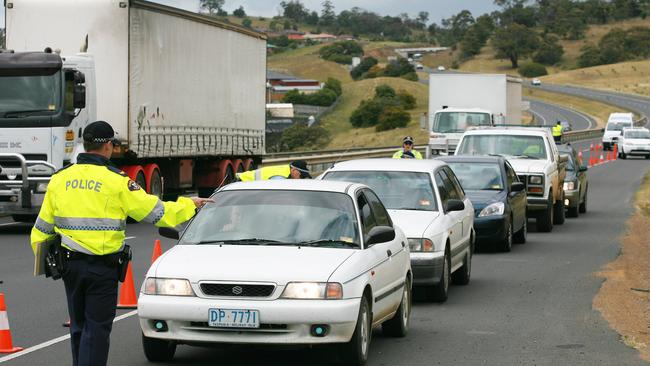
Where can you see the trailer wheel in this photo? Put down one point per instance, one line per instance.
(249, 164)
(238, 166)
(226, 173)
(154, 180)
(136, 173)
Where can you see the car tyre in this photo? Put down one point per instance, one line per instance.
(520, 236)
(622, 155)
(355, 352)
(158, 350)
(558, 215)
(506, 244)
(545, 220)
(573, 211)
(583, 205)
(438, 293)
(398, 325)
(463, 274)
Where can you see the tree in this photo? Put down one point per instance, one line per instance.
(516, 11)
(363, 67)
(211, 6)
(334, 85)
(327, 15)
(515, 41)
(384, 91)
(300, 136)
(294, 10)
(239, 12)
(589, 56)
(406, 99)
(549, 51)
(367, 114)
(423, 17)
(471, 43)
(391, 118)
(312, 19)
(247, 22)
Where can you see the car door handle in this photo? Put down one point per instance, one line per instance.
(389, 253)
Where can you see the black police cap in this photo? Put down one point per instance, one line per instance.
(301, 166)
(100, 132)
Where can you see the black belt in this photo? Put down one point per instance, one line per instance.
(109, 259)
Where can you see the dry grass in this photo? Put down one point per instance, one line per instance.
(599, 111)
(344, 135)
(626, 77)
(305, 63)
(443, 58)
(624, 296)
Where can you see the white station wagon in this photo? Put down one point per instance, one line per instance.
(426, 200)
(280, 262)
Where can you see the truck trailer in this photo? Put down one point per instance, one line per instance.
(184, 92)
(458, 101)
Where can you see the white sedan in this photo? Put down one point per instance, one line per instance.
(426, 200)
(280, 262)
(634, 141)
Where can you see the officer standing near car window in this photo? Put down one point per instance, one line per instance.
(296, 170)
(87, 205)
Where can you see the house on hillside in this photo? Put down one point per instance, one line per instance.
(321, 37)
(278, 84)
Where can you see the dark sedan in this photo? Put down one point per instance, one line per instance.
(575, 182)
(498, 197)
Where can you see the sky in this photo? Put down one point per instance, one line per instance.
(438, 9)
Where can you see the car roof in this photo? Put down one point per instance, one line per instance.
(508, 130)
(294, 185)
(387, 164)
(473, 159)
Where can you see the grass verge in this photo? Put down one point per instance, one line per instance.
(623, 298)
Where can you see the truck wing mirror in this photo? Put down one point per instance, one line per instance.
(79, 77)
(79, 98)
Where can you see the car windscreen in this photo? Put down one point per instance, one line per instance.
(518, 146)
(29, 94)
(637, 134)
(396, 190)
(276, 217)
(478, 176)
(450, 122)
(617, 126)
(571, 163)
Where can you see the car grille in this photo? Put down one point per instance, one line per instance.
(237, 290)
(14, 163)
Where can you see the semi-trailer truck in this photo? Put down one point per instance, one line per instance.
(458, 101)
(184, 92)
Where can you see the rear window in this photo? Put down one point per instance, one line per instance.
(618, 126)
(524, 146)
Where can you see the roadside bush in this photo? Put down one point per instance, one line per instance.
(301, 137)
(406, 99)
(357, 72)
(341, 52)
(399, 68)
(532, 69)
(392, 117)
(411, 76)
(367, 114)
(589, 56)
(384, 91)
(323, 98)
(334, 85)
(616, 46)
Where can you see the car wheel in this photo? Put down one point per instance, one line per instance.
(558, 215)
(520, 236)
(623, 156)
(439, 291)
(545, 220)
(158, 350)
(506, 244)
(464, 273)
(583, 205)
(398, 325)
(355, 352)
(572, 211)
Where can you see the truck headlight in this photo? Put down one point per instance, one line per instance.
(493, 209)
(420, 245)
(313, 291)
(536, 179)
(41, 187)
(569, 186)
(167, 286)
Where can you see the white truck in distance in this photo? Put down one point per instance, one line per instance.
(460, 101)
(184, 92)
(614, 128)
(533, 154)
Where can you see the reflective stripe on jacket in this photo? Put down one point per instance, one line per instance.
(88, 204)
(400, 154)
(557, 130)
(266, 173)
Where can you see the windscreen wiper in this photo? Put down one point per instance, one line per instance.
(325, 242)
(16, 114)
(250, 241)
(526, 157)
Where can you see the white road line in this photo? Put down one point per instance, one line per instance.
(8, 223)
(129, 237)
(56, 340)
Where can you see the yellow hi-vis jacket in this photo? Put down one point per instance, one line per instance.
(400, 153)
(88, 203)
(266, 173)
(557, 130)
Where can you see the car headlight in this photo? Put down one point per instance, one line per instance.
(569, 186)
(536, 179)
(420, 245)
(167, 286)
(41, 187)
(493, 209)
(313, 291)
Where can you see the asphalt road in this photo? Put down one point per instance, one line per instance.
(528, 307)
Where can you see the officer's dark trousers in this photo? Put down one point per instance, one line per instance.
(91, 289)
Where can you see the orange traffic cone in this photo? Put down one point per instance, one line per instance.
(615, 153)
(602, 160)
(5, 333)
(128, 300)
(157, 251)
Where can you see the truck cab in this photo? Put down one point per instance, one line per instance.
(42, 111)
(448, 125)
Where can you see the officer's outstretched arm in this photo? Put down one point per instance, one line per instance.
(44, 227)
(146, 207)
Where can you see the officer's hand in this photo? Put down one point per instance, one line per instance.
(200, 202)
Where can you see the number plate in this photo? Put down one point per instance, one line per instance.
(233, 318)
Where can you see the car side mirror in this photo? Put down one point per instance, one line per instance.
(564, 158)
(583, 168)
(380, 234)
(455, 205)
(517, 187)
(168, 232)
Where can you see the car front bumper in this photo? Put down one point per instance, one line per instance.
(281, 321)
(427, 267)
(572, 198)
(490, 229)
(635, 150)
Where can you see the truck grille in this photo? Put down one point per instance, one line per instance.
(14, 163)
(237, 290)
